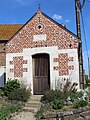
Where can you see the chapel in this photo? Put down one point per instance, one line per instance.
(42, 53)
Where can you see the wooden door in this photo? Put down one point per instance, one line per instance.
(41, 73)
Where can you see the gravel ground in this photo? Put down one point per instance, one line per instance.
(24, 116)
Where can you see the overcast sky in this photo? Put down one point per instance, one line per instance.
(62, 11)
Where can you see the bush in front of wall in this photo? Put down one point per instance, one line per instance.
(50, 95)
(14, 107)
(10, 86)
(3, 113)
(81, 103)
(57, 104)
(21, 94)
(76, 95)
(7, 110)
(62, 93)
(1, 93)
(39, 114)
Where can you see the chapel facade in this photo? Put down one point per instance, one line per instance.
(42, 53)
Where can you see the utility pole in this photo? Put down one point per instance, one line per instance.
(81, 77)
(88, 68)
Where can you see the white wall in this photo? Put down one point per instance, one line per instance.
(53, 53)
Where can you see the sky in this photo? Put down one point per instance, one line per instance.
(62, 11)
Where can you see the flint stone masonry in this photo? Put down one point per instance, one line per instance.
(56, 35)
(82, 114)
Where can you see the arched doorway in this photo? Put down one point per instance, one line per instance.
(41, 73)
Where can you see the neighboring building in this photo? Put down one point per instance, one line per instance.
(42, 53)
(6, 32)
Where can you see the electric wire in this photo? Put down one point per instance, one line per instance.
(84, 33)
(81, 5)
(88, 1)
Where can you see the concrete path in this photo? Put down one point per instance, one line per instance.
(31, 107)
(24, 116)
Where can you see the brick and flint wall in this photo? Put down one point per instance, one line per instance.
(43, 35)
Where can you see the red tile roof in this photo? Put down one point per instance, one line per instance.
(8, 30)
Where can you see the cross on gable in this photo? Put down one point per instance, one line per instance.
(39, 6)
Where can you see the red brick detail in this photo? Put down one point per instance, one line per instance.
(70, 59)
(18, 66)
(56, 68)
(24, 61)
(25, 70)
(56, 60)
(63, 64)
(11, 70)
(56, 36)
(71, 67)
(11, 62)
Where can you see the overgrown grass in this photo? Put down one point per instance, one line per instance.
(21, 94)
(39, 113)
(11, 98)
(7, 109)
(57, 101)
(81, 103)
(50, 95)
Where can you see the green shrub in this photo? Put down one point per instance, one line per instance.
(21, 94)
(50, 95)
(89, 104)
(87, 85)
(76, 106)
(79, 94)
(81, 103)
(62, 94)
(75, 95)
(88, 95)
(57, 104)
(1, 92)
(39, 114)
(10, 86)
(3, 113)
(14, 107)
(6, 110)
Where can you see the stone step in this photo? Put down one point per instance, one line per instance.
(32, 101)
(30, 109)
(80, 118)
(85, 113)
(87, 117)
(33, 104)
(36, 97)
